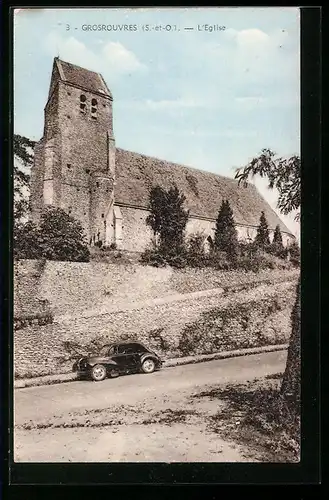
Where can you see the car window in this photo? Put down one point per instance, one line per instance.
(122, 349)
(138, 348)
(112, 350)
(130, 349)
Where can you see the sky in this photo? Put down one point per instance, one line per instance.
(210, 97)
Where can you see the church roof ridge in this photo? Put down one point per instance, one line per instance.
(137, 173)
(182, 165)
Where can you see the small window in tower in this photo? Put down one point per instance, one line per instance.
(97, 184)
(70, 210)
(83, 99)
(68, 93)
(102, 216)
(78, 189)
(68, 165)
(94, 108)
(68, 116)
(87, 171)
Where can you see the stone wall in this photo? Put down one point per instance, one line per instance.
(73, 288)
(201, 324)
(175, 312)
(136, 235)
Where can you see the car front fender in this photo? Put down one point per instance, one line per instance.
(101, 361)
(150, 356)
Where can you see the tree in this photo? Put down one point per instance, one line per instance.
(291, 384)
(277, 237)
(294, 252)
(226, 238)
(284, 175)
(168, 219)
(61, 237)
(262, 239)
(23, 159)
(277, 247)
(157, 203)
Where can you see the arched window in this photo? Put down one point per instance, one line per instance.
(94, 108)
(83, 100)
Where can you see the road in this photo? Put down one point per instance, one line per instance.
(133, 418)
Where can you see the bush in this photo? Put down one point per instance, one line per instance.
(26, 241)
(257, 261)
(195, 252)
(58, 237)
(219, 260)
(160, 256)
(62, 237)
(278, 250)
(152, 257)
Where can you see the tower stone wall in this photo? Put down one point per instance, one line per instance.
(74, 166)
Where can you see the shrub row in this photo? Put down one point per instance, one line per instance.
(32, 320)
(256, 260)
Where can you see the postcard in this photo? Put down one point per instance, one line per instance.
(157, 235)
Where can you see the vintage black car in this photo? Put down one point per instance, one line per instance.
(117, 359)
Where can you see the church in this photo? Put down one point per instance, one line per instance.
(78, 168)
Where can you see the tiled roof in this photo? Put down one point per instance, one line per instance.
(82, 77)
(204, 191)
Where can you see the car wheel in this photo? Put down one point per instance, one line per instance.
(98, 373)
(148, 366)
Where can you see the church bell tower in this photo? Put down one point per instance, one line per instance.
(74, 165)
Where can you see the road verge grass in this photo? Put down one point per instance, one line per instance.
(257, 415)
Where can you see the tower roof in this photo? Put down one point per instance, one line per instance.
(82, 77)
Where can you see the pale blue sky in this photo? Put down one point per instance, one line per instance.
(210, 100)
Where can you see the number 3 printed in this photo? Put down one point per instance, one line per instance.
(68, 27)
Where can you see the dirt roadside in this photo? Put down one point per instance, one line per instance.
(156, 430)
(160, 418)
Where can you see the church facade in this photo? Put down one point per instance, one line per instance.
(78, 168)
